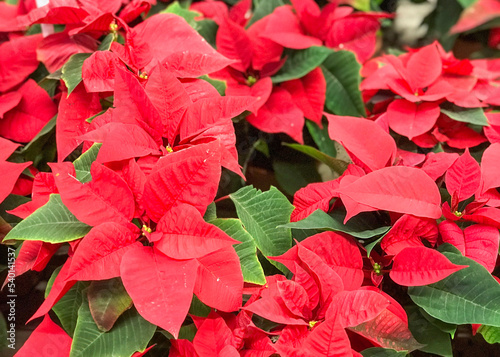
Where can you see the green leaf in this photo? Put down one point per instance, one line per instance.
(41, 148)
(466, 115)
(261, 214)
(52, 223)
(469, 296)
(3, 332)
(131, 333)
(342, 75)
(382, 352)
(108, 300)
(467, 3)
(360, 226)
(208, 30)
(217, 84)
(490, 334)
(246, 250)
(301, 62)
(186, 14)
(435, 340)
(11, 202)
(263, 9)
(293, 175)
(83, 163)
(106, 42)
(339, 166)
(67, 307)
(198, 308)
(321, 138)
(72, 70)
(210, 213)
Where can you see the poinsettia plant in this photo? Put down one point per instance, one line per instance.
(124, 134)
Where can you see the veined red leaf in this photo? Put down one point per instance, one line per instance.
(326, 278)
(113, 135)
(34, 255)
(424, 66)
(308, 93)
(388, 329)
(212, 337)
(71, 123)
(178, 178)
(233, 42)
(279, 115)
(99, 254)
(9, 101)
(412, 119)
(490, 171)
(18, 60)
(56, 49)
(408, 231)
(328, 339)
(463, 177)
(478, 242)
(312, 197)
(107, 198)
(436, 164)
(341, 254)
(367, 141)
(131, 101)
(476, 14)
(161, 288)
(351, 308)
(223, 130)
(11, 172)
(183, 234)
(49, 338)
(170, 99)
(182, 38)
(294, 296)
(306, 280)
(35, 109)
(486, 215)
(220, 281)
(284, 28)
(182, 348)
(99, 71)
(417, 266)
(397, 189)
(205, 112)
(272, 307)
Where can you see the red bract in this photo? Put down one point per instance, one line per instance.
(258, 58)
(336, 26)
(10, 170)
(416, 266)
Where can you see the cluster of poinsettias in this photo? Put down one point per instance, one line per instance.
(258, 49)
(151, 165)
(421, 94)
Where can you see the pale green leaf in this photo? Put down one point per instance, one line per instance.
(83, 163)
(52, 223)
(67, 307)
(301, 62)
(361, 226)
(246, 250)
(342, 75)
(468, 296)
(72, 70)
(261, 214)
(130, 333)
(473, 116)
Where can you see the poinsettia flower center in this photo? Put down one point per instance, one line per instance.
(251, 80)
(312, 324)
(113, 26)
(377, 268)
